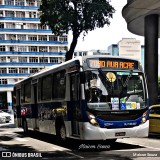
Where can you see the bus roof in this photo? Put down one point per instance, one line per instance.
(80, 58)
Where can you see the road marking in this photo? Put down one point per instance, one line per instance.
(149, 147)
(66, 151)
(21, 139)
(139, 145)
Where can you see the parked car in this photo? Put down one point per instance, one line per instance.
(154, 122)
(4, 117)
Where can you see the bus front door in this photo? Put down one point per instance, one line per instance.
(75, 103)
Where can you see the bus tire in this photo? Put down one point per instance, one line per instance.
(25, 126)
(61, 132)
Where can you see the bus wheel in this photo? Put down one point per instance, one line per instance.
(25, 127)
(61, 132)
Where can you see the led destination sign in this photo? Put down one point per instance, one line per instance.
(112, 63)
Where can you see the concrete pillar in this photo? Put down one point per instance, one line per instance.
(9, 100)
(151, 56)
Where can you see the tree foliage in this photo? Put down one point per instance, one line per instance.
(79, 16)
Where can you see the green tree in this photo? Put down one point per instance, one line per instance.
(78, 16)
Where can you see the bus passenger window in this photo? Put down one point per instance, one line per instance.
(59, 85)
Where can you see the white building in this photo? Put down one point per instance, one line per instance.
(25, 46)
(130, 48)
(90, 53)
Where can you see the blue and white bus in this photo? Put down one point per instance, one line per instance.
(89, 98)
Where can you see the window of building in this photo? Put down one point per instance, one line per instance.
(19, 25)
(32, 48)
(33, 59)
(2, 59)
(11, 37)
(38, 3)
(63, 39)
(3, 81)
(1, 13)
(27, 92)
(42, 27)
(20, 14)
(19, 2)
(43, 59)
(33, 70)
(22, 59)
(31, 14)
(2, 37)
(30, 2)
(53, 38)
(13, 70)
(42, 38)
(2, 48)
(12, 81)
(11, 48)
(53, 59)
(43, 48)
(9, 14)
(1, 25)
(10, 25)
(32, 37)
(59, 85)
(23, 70)
(3, 70)
(47, 88)
(31, 26)
(9, 2)
(13, 59)
(21, 37)
(21, 49)
(62, 49)
(53, 49)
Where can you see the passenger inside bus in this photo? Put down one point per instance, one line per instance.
(96, 91)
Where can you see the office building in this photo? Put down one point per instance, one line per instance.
(90, 53)
(128, 48)
(26, 47)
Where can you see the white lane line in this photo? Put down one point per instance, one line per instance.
(21, 139)
(66, 151)
(148, 147)
(141, 145)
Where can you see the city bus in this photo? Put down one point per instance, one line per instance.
(86, 98)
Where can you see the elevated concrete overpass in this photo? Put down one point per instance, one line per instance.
(143, 18)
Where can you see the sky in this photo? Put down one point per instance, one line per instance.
(101, 38)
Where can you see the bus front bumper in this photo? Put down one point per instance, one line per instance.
(90, 132)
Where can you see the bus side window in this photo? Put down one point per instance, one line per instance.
(59, 85)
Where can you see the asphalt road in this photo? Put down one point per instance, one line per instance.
(14, 144)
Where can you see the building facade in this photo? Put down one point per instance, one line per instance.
(129, 48)
(113, 49)
(26, 47)
(90, 53)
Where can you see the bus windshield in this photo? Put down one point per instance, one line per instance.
(114, 90)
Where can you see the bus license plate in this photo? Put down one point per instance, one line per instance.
(120, 134)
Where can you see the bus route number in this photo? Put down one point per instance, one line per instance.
(110, 64)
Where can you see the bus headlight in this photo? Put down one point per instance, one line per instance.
(144, 117)
(92, 119)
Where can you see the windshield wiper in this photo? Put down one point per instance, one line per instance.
(127, 79)
(125, 84)
(105, 80)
